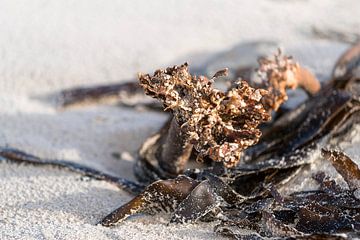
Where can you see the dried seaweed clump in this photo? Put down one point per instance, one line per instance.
(278, 74)
(218, 124)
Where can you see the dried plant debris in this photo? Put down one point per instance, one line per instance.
(218, 124)
(281, 72)
(245, 197)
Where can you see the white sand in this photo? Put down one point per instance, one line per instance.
(46, 46)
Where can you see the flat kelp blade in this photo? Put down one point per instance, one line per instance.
(301, 126)
(317, 218)
(347, 168)
(256, 183)
(163, 195)
(127, 94)
(204, 198)
(15, 155)
(198, 203)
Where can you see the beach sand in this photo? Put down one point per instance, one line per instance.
(47, 46)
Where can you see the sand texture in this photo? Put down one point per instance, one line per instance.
(47, 46)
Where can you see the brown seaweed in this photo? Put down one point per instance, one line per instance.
(240, 181)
